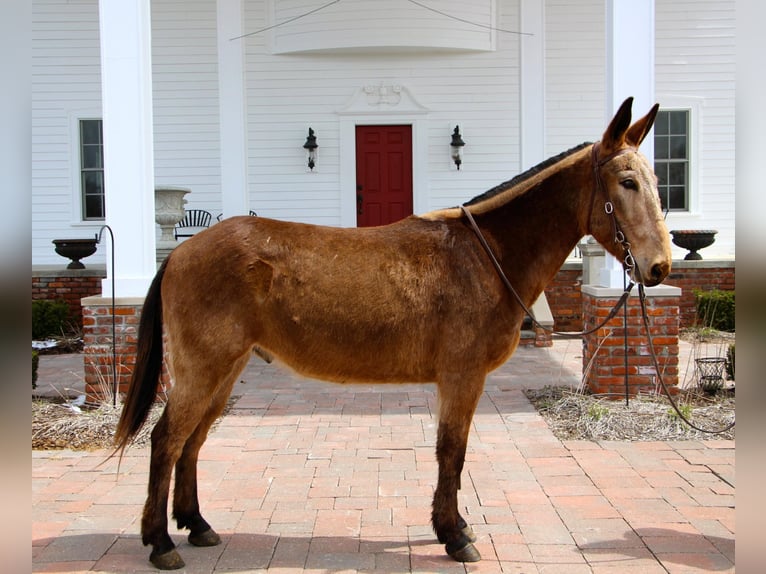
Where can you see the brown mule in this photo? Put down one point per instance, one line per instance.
(415, 301)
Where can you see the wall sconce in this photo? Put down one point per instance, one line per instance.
(457, 147)
(311, 148)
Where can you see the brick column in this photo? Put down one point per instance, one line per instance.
(607, 373)
(97, 345)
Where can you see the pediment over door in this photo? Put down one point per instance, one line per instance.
(383, 98)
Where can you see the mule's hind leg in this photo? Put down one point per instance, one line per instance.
(194, 403)
(457, 404)
(186, 510)
(168, 438)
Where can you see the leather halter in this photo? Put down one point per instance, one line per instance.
(596, 164)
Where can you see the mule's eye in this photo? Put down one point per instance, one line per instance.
(629, 184)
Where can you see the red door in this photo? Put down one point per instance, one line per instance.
(383, 174)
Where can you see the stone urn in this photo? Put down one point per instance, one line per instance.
(168, 210)
(75, 249)
(693, 240)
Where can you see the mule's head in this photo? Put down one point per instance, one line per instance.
(626, 185)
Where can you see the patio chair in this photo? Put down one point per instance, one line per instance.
(219, 217)
(193, 222)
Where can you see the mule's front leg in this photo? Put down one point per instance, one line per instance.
(451, 529)
(455, 414)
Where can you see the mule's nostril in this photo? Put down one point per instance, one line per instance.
(658, 271)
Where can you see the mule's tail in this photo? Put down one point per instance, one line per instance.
(146, 374)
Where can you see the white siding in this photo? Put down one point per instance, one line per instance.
(185, 86)
(315, 25)
(287, 94)
(695, 54)
(67, 86)
(575, 73)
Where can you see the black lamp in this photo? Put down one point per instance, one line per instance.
(311, 147)
(457, 145)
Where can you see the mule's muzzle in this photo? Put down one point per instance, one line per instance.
(656, 274)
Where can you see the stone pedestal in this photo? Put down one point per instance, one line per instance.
(607, 372)
(592, 260)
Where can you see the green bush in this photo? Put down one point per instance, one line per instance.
(49, 318)
(715, 309)
(730, 362)
(35, 363)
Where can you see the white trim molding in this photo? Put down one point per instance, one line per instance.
(383, 104)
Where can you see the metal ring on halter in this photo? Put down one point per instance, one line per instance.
(629, 262)
(609, 208)
(619, 236)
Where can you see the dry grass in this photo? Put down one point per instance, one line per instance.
(61, 425)
(574, 415)
(58, 426)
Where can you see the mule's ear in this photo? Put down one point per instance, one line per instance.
(615, 133)
(637, 132)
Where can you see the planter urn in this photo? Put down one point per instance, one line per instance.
(168, 210)
(693, 240)
(75, 249)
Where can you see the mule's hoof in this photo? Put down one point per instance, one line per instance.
(208, 538)
(467, 553)
(468, 533)
(170, 560)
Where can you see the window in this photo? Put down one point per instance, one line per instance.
(92, 169)
(671, 158)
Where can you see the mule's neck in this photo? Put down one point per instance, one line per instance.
(538, 223)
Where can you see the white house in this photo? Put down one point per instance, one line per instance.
(218, 96)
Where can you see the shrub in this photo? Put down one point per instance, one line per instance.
(35, 363)
(715, 309)
(48, 318)
(730, 362)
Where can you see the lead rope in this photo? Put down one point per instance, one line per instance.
(630, 262)
(507, 283)
(655, 362)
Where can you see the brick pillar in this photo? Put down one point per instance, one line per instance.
(607, 373)
(97, 345)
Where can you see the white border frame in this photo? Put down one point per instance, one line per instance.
(692, 104)
(347, 150)
(76, 205)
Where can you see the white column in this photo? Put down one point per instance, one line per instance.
(629, 72)
(232, 108)
(126, 89)
(532, 79)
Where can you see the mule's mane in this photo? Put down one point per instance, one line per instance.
(522, 177)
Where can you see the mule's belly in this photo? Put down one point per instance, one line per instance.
(352, 355)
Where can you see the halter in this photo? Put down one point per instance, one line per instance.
(619, 237)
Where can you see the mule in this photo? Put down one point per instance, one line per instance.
(415, 301)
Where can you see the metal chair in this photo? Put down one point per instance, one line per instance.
(193, 222)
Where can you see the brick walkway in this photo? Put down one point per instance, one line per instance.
(303, 476)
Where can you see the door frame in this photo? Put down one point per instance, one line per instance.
(347, 129)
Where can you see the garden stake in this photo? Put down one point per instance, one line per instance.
(114, 328)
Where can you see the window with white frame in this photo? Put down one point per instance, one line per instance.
(672, 157)
(92, 169)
